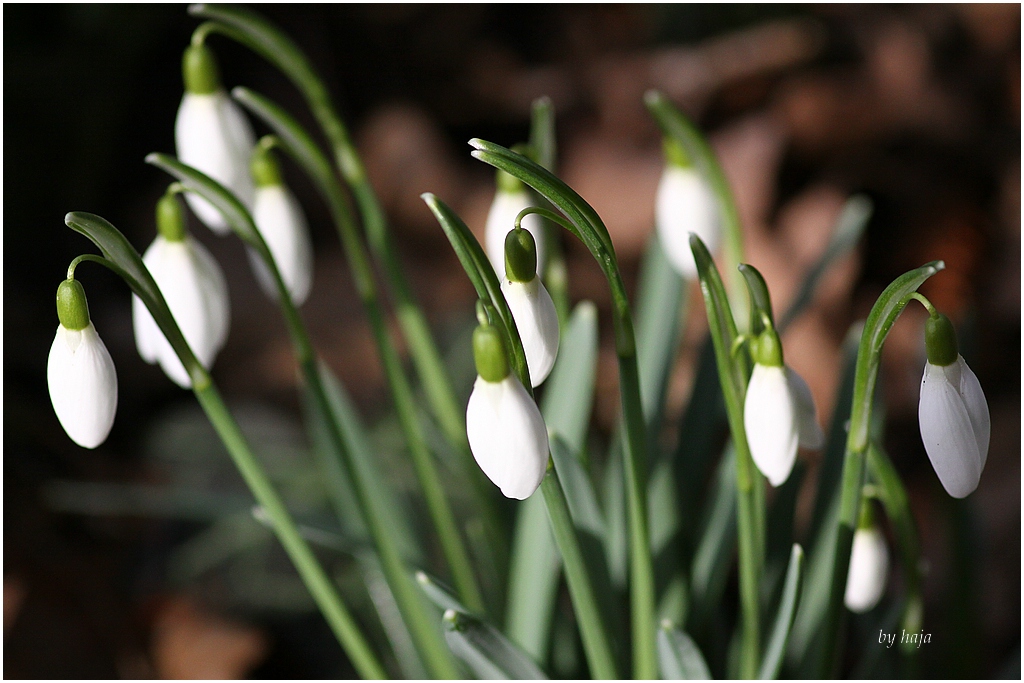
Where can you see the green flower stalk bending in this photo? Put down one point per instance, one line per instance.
(120, 257)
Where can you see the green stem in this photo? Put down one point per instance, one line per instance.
(732, 374)
(880, 320)
(584, 601)
(313, 575)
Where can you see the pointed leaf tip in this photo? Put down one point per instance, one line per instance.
(476, 143)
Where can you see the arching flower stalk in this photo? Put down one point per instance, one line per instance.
(194, 288)
(79, 371)
(869, 564)
(685, 203)
(953, 413)
(530, 303)
(283, 225)
(778, 412)
(506, 432)
(511, 196)
(212, 135)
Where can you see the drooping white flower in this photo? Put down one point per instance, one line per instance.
(197, 295)
(955, 425)
(684, 204)
(506, 432)
(778, 412)
(502, 217)
(212, 135)
(537, 322)
(80, 373)
(283, 225)
(869, 568)
(507, 436)
(953, 413)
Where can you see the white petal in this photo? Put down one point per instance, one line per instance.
(283, 225)
(946, 430)
(770, 420)
(196, 293)
(501, 219)
(83, 385)
(977, 409)
(811, 435)
(507, 436)
(213, 136)
(685, 204)
(869, 568)
(537, 322)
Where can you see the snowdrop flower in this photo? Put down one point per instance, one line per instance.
(531, 305)
(684, 204)
(778, 413)
(953, 413)
(282, 223)
(212, 135)
(80, 372)
(511, 197)
(507, 434)
(194, 288)
(869, 564)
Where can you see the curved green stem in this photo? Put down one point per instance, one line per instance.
(122, 258)
(585, 223)
(428, 639)
(883, 316)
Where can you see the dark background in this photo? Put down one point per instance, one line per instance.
(918, 107)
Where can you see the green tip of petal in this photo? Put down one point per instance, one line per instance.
(940, 340)
(520, 256)
(72, 306)
(170, 218)
(489, 354)
(199, 70)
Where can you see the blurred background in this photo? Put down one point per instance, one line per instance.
(139, 559)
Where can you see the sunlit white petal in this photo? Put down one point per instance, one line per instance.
(283, 225)
(537, 322)
(953, 436)
(213, 136)
(869, 568)
(684, 204)
(196, 293)
(507, 436)
(83, 385)
(502, 218)
(770, 419)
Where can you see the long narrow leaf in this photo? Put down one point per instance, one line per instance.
(679, 657)
(488, 654)
(776, 649)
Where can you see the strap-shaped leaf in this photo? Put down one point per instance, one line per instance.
(760, 298)
(438, 593)
(850, 224)
(679, 657)
(715, 543)
(569, 391)
(120, 256)
(489, 654)
(776, 649)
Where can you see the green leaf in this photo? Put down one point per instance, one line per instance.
(486, 651)
(387, 505)
(776, 649)
(679, 657)
(853, 218)
(542, 133)
(659, 308)
(438, 593)
(120, 256)
(536, 563)
(715, 544)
